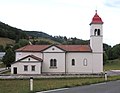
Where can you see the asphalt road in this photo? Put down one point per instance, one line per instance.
(109, 87)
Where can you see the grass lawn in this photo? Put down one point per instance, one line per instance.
(22, 86)
(112, 65)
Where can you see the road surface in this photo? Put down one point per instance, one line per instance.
(109, 87)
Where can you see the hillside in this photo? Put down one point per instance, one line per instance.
(16, 34)
(5, 41)
(10, 32)
(38, 34)
(56, 39)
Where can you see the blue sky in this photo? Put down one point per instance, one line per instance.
(69, 18)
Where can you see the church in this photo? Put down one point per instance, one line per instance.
(63, 59)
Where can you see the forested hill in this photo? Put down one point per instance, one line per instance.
(7, 31)
(14, 33)
(59, 39)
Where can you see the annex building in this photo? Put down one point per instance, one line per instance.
(63, 59)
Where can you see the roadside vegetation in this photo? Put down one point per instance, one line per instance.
(22, 85)
(112, 65)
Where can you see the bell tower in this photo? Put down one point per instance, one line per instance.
(96, 43)
(96, 34)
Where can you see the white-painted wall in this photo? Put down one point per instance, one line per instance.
(79, 67)
(96, 43)
(20, 55)
(53, 49)
(60, 57)
(20, 67)
(97, 63)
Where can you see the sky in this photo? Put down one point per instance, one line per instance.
(69, 18)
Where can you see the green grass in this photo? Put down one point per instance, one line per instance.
(14, 86)
(112, 65)
(22, 85)
(47, 84)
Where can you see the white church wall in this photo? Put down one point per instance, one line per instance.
(96, 44)
(97, 63)
(60, 59)
(20, 55)
(20, 67)
(53, 49)
(80, 66)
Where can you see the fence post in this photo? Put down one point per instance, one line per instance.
(105, 76)
(31, 83)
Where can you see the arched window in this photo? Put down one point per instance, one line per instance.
(97, 32)
(85, 63)
(53, 63)
(73, 62)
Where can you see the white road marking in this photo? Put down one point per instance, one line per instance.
(52, 90)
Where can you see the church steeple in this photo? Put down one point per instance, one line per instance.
(96, 42)
(96, 33)
(96, 19)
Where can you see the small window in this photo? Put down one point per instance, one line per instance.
(73, 62)
(25, 67)
(53, 48)
(33, 68)
(53, 63)
(85, 62)
(28, 59)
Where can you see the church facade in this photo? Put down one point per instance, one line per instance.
(63, 59)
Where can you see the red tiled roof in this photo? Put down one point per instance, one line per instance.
(32, 56)
(35, 48)
(75, 48)
(96, 19)
(68, 48)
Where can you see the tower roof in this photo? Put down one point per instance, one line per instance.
(96, 19)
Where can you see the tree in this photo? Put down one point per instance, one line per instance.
(109, 54)
(23, 42)
(1, 48)
(108, 50)
(16, 46)
(116, 51)
(9, 57)
(105, 58)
